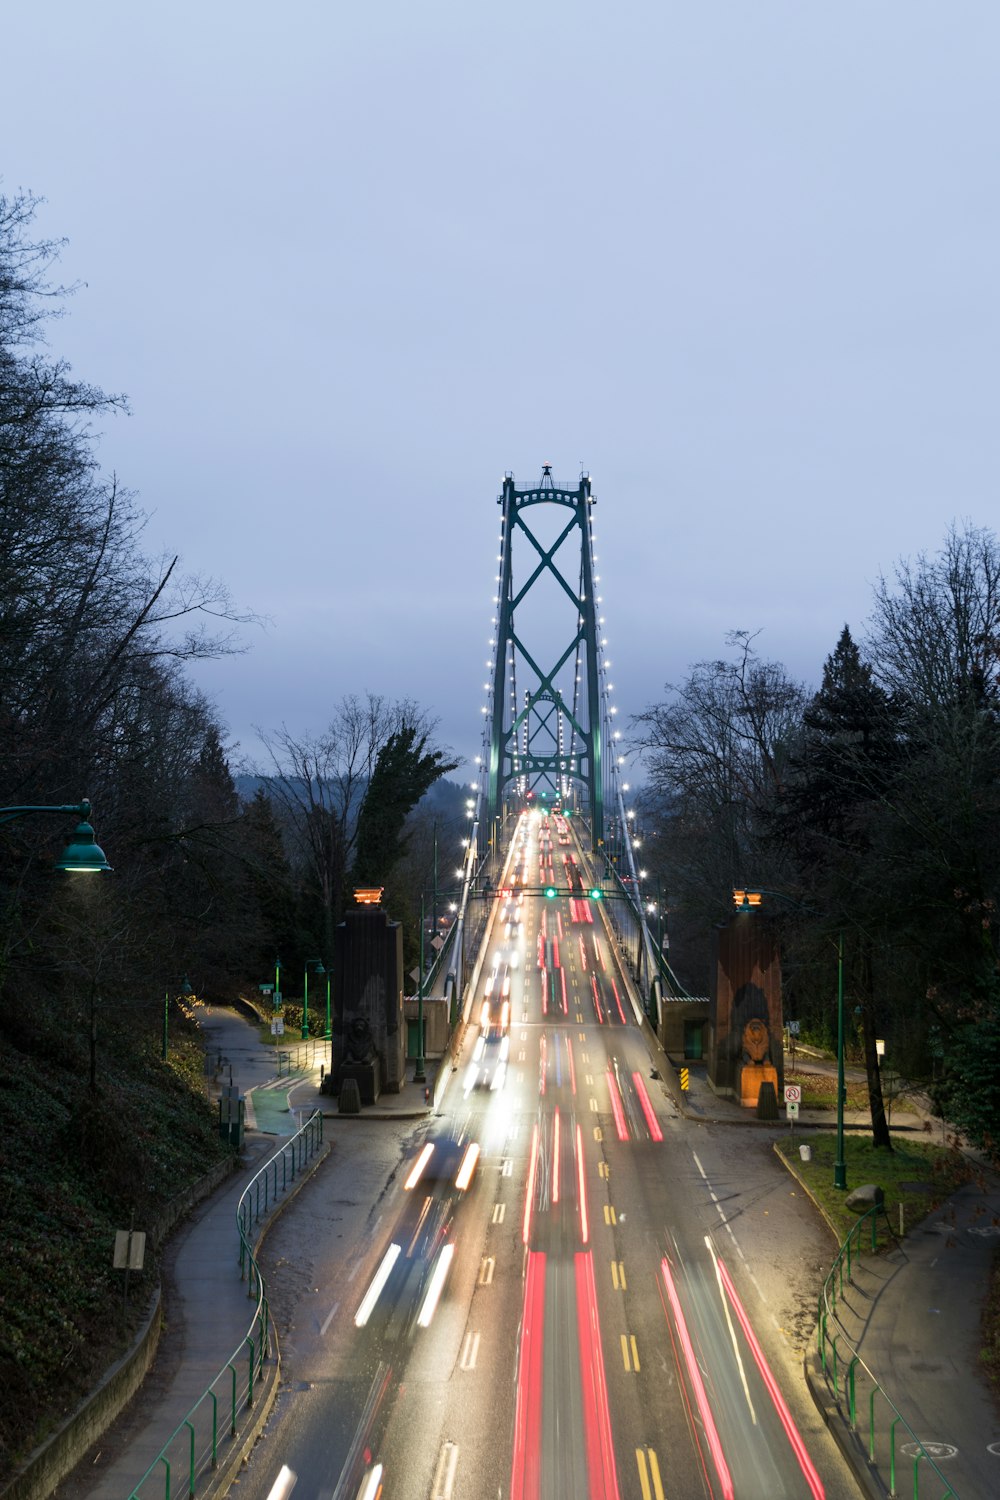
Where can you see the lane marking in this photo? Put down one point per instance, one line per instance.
(507, 1169)
(443, 1484)
(654, 1492)
(487, 1266)
(609, 1214)
(499, 1209)
(630, 1353)
(618, 1275)
(328, 1319)
(470, 1349)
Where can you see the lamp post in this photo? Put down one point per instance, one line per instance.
(317, 964)
(328, 1033)
(419, 1072)
(747, 900)
(83, 855)
(840, 1165)
(187, 993)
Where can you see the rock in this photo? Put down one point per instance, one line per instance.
(350, 1097)
(860, 1199)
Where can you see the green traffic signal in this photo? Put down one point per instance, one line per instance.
(596, 893)
(550, 891)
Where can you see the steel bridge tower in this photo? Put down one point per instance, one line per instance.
(546, 715)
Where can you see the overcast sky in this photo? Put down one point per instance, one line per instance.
(350, 263)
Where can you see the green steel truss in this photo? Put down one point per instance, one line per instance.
(546, 721)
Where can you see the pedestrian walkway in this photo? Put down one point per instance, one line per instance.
(913, 1317)
(207, 1310)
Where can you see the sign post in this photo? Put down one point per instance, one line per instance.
(793, 1098)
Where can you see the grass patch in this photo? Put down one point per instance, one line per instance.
(916, 1174)
(819, 1091)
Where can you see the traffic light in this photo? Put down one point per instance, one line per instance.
(550, 891)
(596, 893)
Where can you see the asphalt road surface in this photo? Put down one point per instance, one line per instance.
(558, 1288)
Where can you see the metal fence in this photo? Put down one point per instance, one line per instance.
(199, 1442)
(855, 1388)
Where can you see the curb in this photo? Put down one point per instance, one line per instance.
(850, 1444)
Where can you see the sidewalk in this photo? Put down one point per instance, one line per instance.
(206, 1307)
(913, 1316)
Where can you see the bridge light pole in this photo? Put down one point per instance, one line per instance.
(83, 855)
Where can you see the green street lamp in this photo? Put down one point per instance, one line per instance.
(83, 855)
(419, 1071)
(186, 993)
(317, 964)
(328, 1033)
(749, 900)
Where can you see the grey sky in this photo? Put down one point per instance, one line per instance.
(352, 263)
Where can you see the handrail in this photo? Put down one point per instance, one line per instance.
(193, 1448)
(828, 1346)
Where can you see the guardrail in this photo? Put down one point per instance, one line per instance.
(844, 1368)
(197, 1443)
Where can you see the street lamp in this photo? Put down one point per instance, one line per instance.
(83, 855)
(747, 900)
(419, 1071)
(186, 993)
(317, 964)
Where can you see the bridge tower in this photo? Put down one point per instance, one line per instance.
(546, 718)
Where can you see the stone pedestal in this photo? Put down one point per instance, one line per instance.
(752, 1075)
(366, 1075)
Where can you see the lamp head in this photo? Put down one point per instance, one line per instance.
(83, 855)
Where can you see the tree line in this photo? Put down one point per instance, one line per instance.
(871, 808)
(96, 699)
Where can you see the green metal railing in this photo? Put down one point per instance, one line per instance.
(196, 1445)
(843, 1367)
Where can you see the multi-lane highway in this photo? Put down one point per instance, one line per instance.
(552, 1299)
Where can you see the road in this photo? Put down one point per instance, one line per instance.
(603, 1309)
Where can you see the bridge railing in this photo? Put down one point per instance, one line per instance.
(199, 1442)
(855, 1387)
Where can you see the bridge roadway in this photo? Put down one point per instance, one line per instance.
(599, 1332)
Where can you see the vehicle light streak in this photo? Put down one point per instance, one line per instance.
(556, 962)
(791, 1431)
(555, 1158)
(436, 1287)
(582, 1185)
(283, 1485)
(618, 1002)
(572, 1069)
(542, 1062)
(471, 1074)
(562, 975)
(373, 1485)
(529, 1192)
(597, 1001)
(601, 1475)
(545, 991)
(525, 1479)
(583, 954)
(599, 951)
(464, 1175)
(419, 1165)
(652, 1122)
(616, 1107)
(379, 1280)
(694, 1375)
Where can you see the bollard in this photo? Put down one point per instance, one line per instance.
(806, 1153)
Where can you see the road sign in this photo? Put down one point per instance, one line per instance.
(266, 989)
(793, 1093)
(685, 1079)
(792, 1108)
